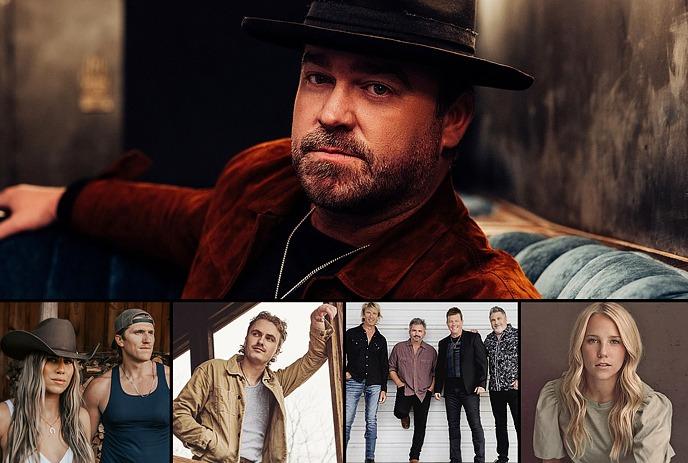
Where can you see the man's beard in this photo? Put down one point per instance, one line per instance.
(369, 185)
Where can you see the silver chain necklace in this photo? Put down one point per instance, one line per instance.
(136, 388)
(51, 426)
(312, 272)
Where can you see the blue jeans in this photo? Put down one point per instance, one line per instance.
(354, 389)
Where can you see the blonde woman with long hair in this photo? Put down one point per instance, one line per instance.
(45, 423)
(600, 410)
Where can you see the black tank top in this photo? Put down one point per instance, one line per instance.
(137, 429)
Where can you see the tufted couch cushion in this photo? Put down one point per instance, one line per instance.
(571, 267)
(54, 264)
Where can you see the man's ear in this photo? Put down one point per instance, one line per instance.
(119, 341)
(456, 120)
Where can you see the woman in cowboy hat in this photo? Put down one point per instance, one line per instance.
(46, 423)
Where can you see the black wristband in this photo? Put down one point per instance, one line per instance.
(66, 203)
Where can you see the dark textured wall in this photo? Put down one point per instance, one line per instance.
(545, 330)
(199, 90)
(46, 137)
(600, 142)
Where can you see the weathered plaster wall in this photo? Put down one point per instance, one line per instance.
(600, 142)
(47, 137)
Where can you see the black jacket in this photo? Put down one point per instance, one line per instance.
(473, 362)
(366, 362)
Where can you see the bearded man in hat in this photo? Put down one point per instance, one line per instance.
(234, 410)
(133, 398)
(358, 203)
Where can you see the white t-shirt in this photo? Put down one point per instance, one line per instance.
(255, 423)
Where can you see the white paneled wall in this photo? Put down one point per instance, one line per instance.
(393, 442)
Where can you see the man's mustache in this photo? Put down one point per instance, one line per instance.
(342, 141)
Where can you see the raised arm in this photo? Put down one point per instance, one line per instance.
(298, 372)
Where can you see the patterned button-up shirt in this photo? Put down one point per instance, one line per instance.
(502, 356)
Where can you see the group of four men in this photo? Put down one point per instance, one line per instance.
(460, 371)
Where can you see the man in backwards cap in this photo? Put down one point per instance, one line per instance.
(133, 398)
(359, 203)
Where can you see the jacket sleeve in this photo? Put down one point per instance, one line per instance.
(298, 372)
(186, 407)
(348, 350)
(439, 369)
(384, 365)
(480, 362)
(161, 221)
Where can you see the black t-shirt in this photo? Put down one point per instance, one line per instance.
(308, 249)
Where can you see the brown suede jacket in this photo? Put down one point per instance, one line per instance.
(437, 253)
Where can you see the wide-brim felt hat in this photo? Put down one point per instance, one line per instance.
(52, 336)
(437, 32)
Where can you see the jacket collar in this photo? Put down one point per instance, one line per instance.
(508, 332)
(232, 367)
(374, 272)
(360, 327)
(423, 344)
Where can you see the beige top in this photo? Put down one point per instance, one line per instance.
(651, 428)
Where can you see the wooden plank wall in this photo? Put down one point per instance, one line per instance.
(93, 323)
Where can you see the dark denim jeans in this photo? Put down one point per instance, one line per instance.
(402, 408)
(455, 397)
(354, 390)
(499, 401)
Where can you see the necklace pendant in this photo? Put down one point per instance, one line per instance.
(52, 430)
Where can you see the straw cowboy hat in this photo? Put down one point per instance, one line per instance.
(438, 32)
(52, 336)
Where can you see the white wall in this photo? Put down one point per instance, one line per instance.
(393, 442)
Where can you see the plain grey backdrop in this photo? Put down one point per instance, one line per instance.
(545, 330)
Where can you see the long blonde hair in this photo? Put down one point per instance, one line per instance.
(629, 387)
(22, 438)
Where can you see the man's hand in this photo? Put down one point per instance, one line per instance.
(318, 316)
(383, 397)
(348, 376)
(31, 207)
(438, 396)
(479, 390)
(514, 385)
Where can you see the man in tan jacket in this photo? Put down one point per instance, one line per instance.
(233, 410)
